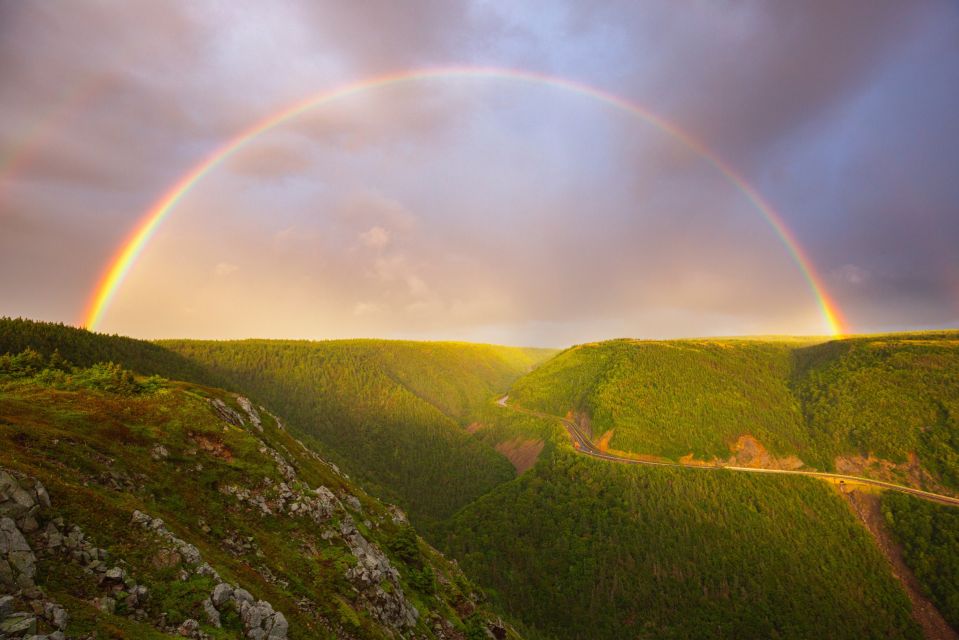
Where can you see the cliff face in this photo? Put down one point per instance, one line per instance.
(171, 510)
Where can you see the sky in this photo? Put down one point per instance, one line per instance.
(482, 208)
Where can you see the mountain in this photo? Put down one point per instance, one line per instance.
(135, 507)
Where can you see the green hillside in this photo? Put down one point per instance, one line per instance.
(929, 536)
(886, 406)
(581, 548)
(390, 412)
(259, 536)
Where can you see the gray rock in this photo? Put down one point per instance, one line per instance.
(42, 496)
(251, 412)
(56, 615)
(242, 595)
(280, 627)
(106, 604)
(116, 574)
(222, 593)
(18, 624)
(189, 628)
(353, 502)
(211, 613)
(6, 606)
(226, 413)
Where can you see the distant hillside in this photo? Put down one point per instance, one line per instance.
(391, 412)
(884, 406)
(145, 508)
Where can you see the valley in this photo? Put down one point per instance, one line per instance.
(509, 461)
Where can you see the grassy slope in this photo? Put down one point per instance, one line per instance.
(885, 395)
(389, 411)
(92, 450)
(929, 535)
(583, 548)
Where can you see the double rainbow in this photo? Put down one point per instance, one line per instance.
(124, 259)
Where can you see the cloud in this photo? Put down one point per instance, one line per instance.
(223, 269)
(851, 274)
(375, 237)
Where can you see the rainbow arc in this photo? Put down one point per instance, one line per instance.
(133, 245)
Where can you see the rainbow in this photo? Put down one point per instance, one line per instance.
(124, 259)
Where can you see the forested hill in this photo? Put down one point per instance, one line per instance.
(390, 412)
(85, 348)
(883, 406)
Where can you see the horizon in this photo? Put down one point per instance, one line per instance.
(552, 347)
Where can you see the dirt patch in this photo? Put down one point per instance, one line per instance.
(603, 443)
(522, 453)
(212, 445)
(747, 451)
(473, 427)
(909, 472)
(866, 506)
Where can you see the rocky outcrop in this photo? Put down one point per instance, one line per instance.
(188, 553)
(371, 574)
(251, 412)
(376, 581)
(260, 620)
(23, 503)
(227, 414)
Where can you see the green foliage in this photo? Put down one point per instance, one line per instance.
(57, 372)
(580, 548)
(389, 412)
(887, 396)
(929, 536)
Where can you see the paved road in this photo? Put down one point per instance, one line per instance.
(585, 446)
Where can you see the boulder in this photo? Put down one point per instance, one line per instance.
(211, 613)
(6, 606)
(222, 593)
(18, 624)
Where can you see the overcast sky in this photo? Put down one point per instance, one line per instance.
(476, 208)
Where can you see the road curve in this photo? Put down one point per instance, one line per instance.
(585, 446)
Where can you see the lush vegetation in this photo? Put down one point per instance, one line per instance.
(580, 548)
(884, 396)
(672, 398)
(105, 442)
(390, 412)
(929, 536)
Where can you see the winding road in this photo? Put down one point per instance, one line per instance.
(585, 446)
